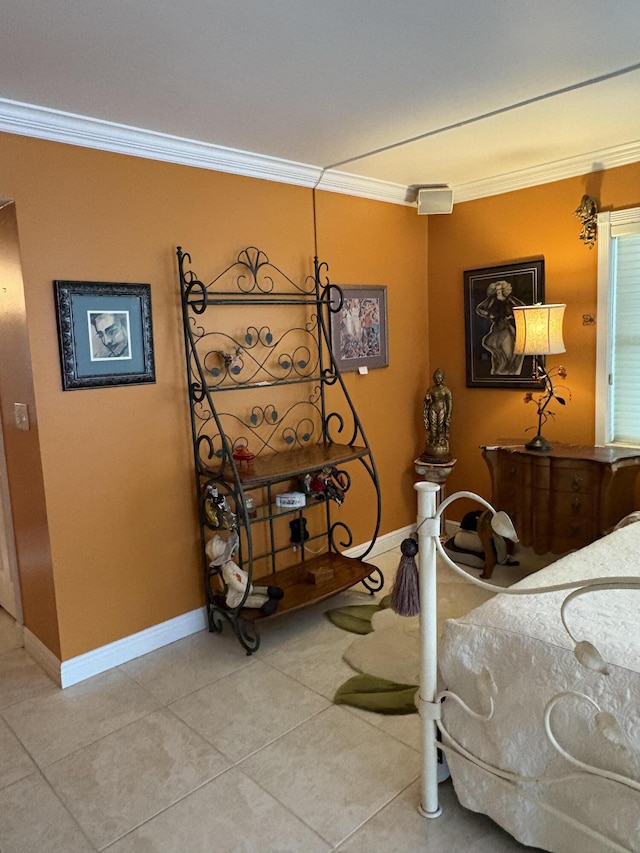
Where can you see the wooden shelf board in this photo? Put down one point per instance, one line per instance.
(292, 463)
(299, 592)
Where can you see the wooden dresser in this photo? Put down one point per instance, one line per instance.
(565, 498)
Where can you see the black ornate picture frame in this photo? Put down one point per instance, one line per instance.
(105, 334)
(489, 295)
(359, 328)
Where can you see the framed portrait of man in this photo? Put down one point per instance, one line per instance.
(105, 334)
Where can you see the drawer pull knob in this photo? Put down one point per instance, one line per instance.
(576, 506)
(576, 481)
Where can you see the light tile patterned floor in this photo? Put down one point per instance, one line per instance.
(198, 748)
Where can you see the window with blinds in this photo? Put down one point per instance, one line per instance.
(618, 378)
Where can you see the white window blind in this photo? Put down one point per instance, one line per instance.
(625, 340)
(618, 368)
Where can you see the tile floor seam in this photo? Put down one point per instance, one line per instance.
(150, 817)
(93, 742)
(67, 810)
(190, 692)
(372, 816)
(297, 681)
(186, 796)
(6, 787)
(200, 686)
(275, 739)
(22, 744)
(159, 812)
(285, 806)
(13, 704)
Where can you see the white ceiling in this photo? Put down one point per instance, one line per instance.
(484, 94)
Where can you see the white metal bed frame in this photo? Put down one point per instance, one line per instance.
(429, 699)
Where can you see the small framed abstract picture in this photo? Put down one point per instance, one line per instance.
(489, 297)
(359, 326)
(105, 334)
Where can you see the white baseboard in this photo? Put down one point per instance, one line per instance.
(72, 671)
(386, 542)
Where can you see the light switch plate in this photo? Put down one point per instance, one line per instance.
(21, 414)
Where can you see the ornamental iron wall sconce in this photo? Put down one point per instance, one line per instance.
(587, 213)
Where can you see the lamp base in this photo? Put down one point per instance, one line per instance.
(540, 444)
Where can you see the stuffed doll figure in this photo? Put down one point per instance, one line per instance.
(264, 598)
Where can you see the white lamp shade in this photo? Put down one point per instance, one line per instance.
(538, 329)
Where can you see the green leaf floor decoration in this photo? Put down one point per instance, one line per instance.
(356, 618)
(364, 691)
(377, 694)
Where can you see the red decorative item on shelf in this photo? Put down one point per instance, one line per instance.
(243, 458)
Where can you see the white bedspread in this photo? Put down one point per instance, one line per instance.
(521, 641)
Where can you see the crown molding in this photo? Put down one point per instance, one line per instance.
(357, 185)
(570, 167)
(55, 126)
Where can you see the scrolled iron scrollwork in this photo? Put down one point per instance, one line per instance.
(245, 631)
(346, 543)
(195, 292)
(197, 392)
(302, 434)
(375, 581)
(335, 298)
(262, 274)
(329, 376)
(331, 419)
(247, 634)
(263, 414)
(259, 357)
(206, 450)
(253, 260)
(254, 336)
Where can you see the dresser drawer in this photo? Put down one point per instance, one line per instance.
(574, 505)
(513, 471)
(571, 532)
(577, 477)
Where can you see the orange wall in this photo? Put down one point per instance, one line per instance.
(117, 462)
(498, 230)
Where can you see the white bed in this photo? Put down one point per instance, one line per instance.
(517, 648)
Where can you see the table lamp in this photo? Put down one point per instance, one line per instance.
(539, 333)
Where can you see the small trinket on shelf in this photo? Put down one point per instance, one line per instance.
(217, 510)
(243, 458)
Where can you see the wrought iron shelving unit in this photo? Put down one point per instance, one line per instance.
(259, 380)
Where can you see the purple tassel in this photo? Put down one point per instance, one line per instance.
(405, 596)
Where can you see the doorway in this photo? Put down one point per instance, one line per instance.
(10, 600)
